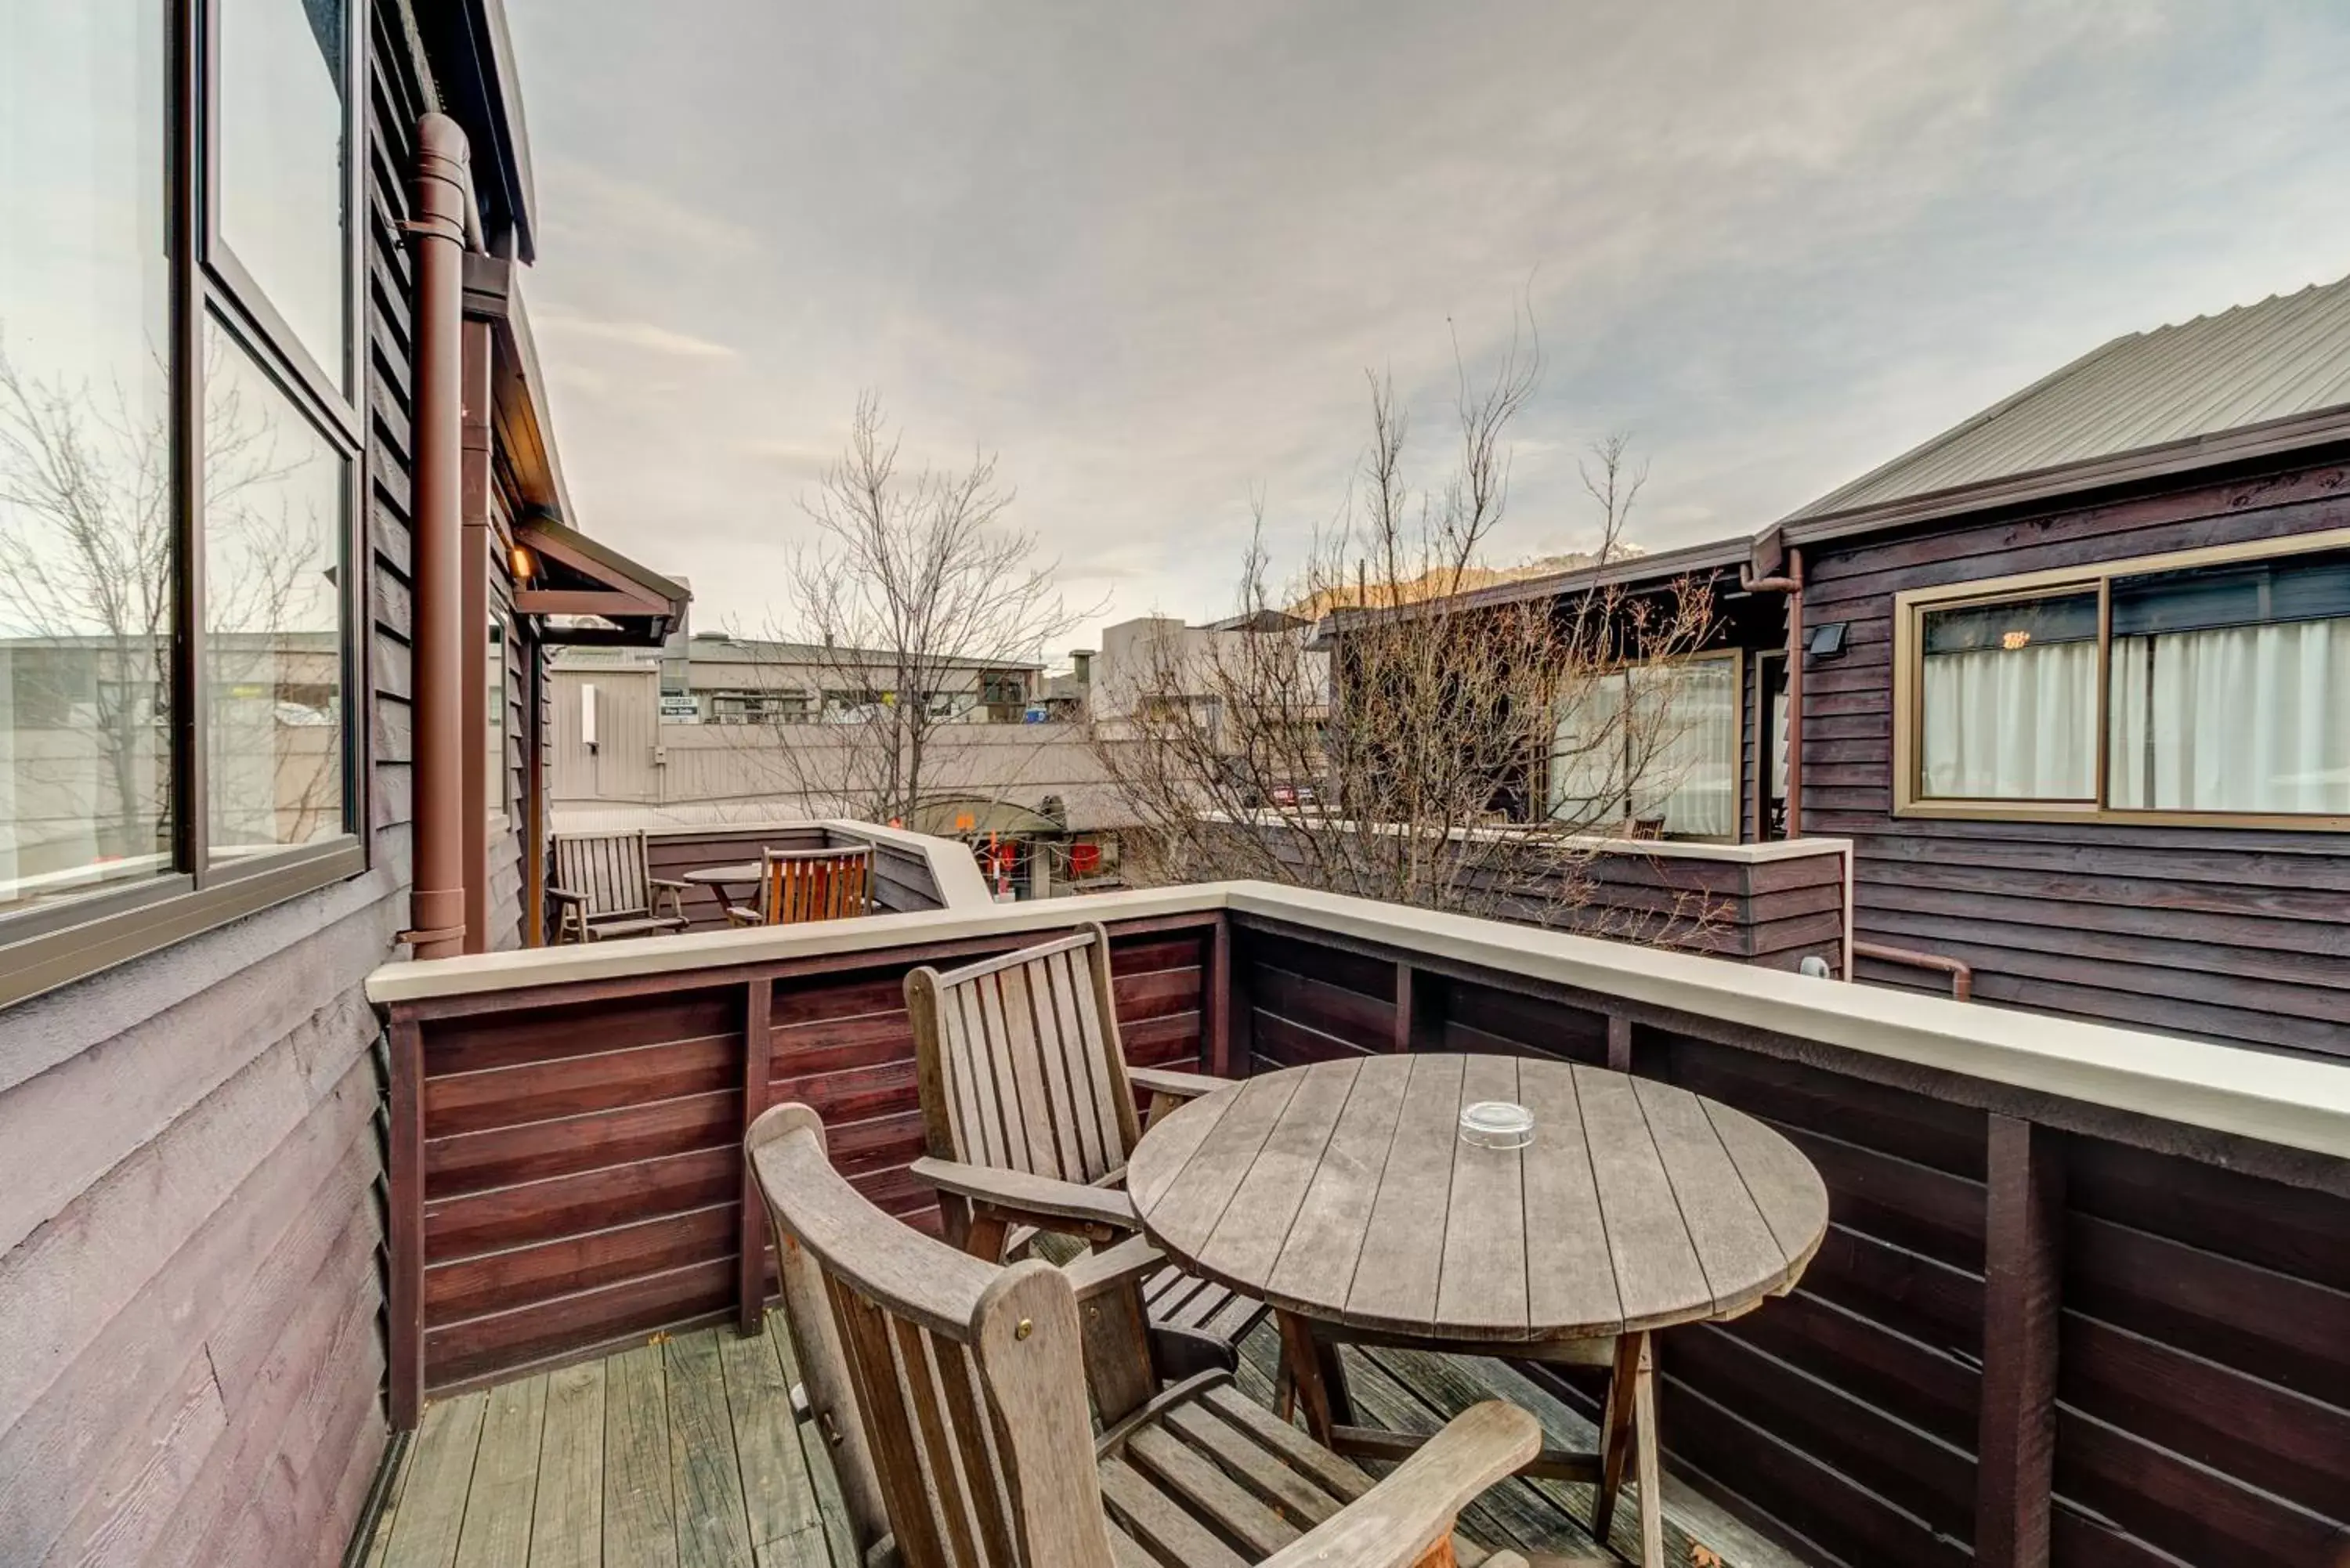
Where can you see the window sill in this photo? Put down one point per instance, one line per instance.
(120, 929)
(2054, 811)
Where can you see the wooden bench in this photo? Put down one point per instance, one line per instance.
(954, 1392)
(603, 887)
(1028, 1111)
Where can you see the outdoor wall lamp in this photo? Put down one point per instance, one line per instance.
(524, 564)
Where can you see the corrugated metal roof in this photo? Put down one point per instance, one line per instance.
(2287, 355)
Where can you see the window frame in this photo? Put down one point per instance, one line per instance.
(1911, 608)
(1740, 802)
(49, 946)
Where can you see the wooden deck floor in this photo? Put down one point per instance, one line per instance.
(685, 1453)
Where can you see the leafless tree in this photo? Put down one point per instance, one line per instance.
(1411, 749)
(86, 552)
(920, 606)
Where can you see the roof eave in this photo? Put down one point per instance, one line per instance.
(2171, 459)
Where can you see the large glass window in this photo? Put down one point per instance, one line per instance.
(85, 521)
(1654, 745)
(281, 117)
(272, 537)
(2231, 689)
(176, 479)
(2010, 701)
(2219, 683)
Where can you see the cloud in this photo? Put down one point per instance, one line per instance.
(1148, 254)
(640, 335)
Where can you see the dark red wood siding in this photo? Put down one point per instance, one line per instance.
(2203, 1389)
(582, 1144)
(2234, 935)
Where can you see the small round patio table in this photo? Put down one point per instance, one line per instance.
(721, 880)
(1343, 1195)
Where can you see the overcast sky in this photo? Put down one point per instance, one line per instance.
(1147, 252)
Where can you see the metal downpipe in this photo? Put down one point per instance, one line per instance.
(437, 237)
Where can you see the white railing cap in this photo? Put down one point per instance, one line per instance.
(2300, 1102)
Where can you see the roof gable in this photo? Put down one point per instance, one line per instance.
(2286, 356)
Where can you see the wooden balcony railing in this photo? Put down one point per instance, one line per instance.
(910, 870)
(2083, 1286)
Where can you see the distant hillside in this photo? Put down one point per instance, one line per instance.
(1438, 582)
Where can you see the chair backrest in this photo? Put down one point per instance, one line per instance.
(967, 1379)
(798, 885)
(608, 868)
(1019, 1062)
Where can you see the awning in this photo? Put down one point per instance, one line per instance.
(575, 577)
(967, 816)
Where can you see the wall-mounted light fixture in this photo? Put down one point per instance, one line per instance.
(1826, 642)
(524, 564)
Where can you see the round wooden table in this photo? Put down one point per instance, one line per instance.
(721, 880)
(1343, 1195)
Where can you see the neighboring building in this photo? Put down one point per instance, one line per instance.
(766, 732)
(711, 678)
(258, 655)
(1156, 663)
(2075, 684)
(2089, 724)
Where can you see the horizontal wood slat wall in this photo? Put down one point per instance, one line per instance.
(2200, 1398)
(577, 1148)
(1772, 912)
(2231, 934)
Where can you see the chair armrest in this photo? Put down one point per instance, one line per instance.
(1181, 1086)
(1393, 1524)
(1041, 1200)
(566, 896)
(737, 915)
(672, 887)
(1107, 1268)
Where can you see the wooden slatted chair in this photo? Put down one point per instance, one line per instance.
(1028, 1110)
(964, 1382)
(604, 888)
(800, 885)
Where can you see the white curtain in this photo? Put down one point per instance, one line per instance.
(2238, 719)
(1587, 765)
(1690, 776)
(2012, 723)
(1675, 755)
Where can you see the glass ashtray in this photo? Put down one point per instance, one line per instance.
(1497, 1124)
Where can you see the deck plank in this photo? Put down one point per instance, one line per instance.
(714, 1528)
(568, 1526)
(496, 1530)
(777, 1491)
(623, 1441)
(830, 1505)
(440, 1474)
(640, 1506)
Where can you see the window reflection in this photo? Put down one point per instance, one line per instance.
(281, 149)
(85, 451)
(275, 496)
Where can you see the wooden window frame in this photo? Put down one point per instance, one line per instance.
(1737, 657)
(54, 945)
(1911, 608)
